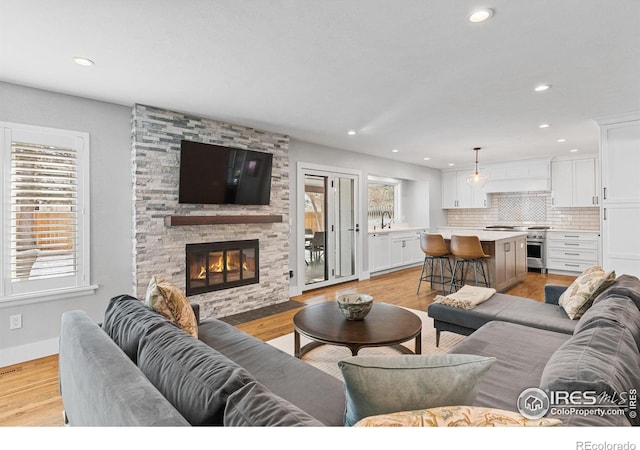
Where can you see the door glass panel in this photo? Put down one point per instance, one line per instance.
(345, 226)
(315, 225)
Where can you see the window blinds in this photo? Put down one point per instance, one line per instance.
(44, 211)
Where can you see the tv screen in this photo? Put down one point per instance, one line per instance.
(214, 174)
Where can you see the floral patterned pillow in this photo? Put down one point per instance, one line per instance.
(167, 299)
(455, 416)
(580, 295)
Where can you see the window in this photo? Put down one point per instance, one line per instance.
(45, 217)
(383, 195)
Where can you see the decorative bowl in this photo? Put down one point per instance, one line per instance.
(355, 306)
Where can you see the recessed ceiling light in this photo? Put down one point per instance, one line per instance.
(351, 132)
(480, 15)
(562, 140)
(451, 164)
(426, 159)
(395, 150)
(573, 150)
(542, 87)
(83, 61)
(544, 125)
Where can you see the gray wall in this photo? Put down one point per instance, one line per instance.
(109, 128)
(300, 151)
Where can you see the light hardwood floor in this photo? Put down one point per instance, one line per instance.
(29, 393)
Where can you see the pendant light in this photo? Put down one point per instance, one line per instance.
(477, 180)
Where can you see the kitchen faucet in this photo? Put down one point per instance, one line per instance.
(389, 214)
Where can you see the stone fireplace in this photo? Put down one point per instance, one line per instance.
(160, 245)
(213, 266)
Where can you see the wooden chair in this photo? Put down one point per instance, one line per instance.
(436, 255)
(468, 251)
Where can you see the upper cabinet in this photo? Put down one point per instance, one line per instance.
(518, 176)
(574, 182)
(456, 192)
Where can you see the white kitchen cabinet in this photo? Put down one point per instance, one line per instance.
(404, 249)
(620, 160)
(574, 182)
(379, 252)
(569, 251)
(390, 250)
(456, 192)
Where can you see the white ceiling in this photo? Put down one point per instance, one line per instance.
(413, 75)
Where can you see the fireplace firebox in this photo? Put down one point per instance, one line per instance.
(213, 266)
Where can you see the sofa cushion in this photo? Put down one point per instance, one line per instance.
(254, 405)
(601, 357)
(195, 378)
(617, 309)
(585, 288)
(127, 319)
(384, 384)
(167, 299)
(538, 315)
(506, 308)
(309, 388)
(472, 318)
(521, 353)
(456, 416)
(624, 286)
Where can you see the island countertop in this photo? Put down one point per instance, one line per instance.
(485, 236)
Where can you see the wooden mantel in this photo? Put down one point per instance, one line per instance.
(176, 221)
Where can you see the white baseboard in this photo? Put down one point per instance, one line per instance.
(22, 353)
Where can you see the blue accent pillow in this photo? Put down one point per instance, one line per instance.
(377, 385)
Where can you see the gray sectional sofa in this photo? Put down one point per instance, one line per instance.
(139, 369)
(598, 354)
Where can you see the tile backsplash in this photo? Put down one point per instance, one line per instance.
(526, 208)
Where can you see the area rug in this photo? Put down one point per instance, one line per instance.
(326, 357)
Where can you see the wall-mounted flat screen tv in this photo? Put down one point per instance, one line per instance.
(215, 174)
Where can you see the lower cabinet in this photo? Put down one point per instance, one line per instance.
(392, 250)
(572, 251)
(379, 252)
(510, 262)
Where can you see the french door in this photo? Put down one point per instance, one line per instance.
(328, 221)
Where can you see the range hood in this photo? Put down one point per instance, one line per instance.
(532, 175)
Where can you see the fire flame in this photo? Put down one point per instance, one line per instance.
(217, 266)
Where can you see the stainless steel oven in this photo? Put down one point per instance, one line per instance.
(536, 254)
(536, 257)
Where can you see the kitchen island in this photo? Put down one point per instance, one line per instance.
(507, 250)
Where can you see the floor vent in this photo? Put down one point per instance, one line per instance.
(8, 371)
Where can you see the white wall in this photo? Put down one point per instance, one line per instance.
(109, 127)
(300, 151)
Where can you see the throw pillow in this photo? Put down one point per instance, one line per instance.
(385, 384)
(456, 416)
(165, 298)
(253, 405)
(127, 319)
(195, 378)
(580, 295)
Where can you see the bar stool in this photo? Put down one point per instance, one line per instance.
(467, 251)
(434, 249)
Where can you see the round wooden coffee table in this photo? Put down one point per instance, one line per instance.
(385, 326)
